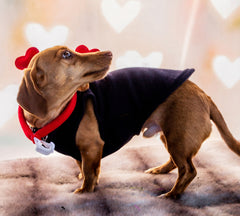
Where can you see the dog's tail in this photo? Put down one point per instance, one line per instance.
(219, 121)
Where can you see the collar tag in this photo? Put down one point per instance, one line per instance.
(44, 147)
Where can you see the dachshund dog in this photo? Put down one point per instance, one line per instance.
(112, 108)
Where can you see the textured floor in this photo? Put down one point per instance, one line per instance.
(44, 186)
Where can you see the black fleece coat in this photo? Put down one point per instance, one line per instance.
(122, 101)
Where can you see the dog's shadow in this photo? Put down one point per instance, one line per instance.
(207, 190)
(201, 200)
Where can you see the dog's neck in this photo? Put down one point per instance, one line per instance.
(55, 111)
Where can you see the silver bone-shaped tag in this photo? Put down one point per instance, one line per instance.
(44, 147)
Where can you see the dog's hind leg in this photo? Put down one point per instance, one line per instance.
(150, 128)
(186, 173)
(163, 169)
(185, 121)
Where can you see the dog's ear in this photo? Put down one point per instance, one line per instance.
(29, 96)
(83, 87)
(38, 78)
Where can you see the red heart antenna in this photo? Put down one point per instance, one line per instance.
(23, 61)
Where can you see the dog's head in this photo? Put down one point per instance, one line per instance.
(54, 75)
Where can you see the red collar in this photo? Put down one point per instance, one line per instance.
(54, 124)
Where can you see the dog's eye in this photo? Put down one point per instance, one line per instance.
(66, 54)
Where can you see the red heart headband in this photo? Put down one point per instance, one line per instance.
(23, 61)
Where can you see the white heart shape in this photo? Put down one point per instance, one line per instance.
(225, 7)
(9, 104)
(120, 16)
(228, 72)
(134, 59)
(42, 39)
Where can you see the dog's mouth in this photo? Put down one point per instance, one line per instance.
(97, 72)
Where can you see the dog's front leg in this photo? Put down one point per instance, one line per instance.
(90, 145)
(91, 158)
(80, 175)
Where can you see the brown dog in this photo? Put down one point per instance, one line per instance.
(183, 119)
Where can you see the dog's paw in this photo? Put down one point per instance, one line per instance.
(163, 196)
(153, 171)
(83, 190)
(169, 195)
(80, 176)
(78, 191)
(164, 169)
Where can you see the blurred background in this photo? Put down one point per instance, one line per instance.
(176, 34)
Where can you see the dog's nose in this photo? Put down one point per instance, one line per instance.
(108, 53)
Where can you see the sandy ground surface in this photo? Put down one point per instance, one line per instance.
(44, 185)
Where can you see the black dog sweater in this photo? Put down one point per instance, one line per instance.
(122, 101)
